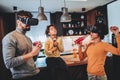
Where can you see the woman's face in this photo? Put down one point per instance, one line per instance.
(52, 31)
(94, 35)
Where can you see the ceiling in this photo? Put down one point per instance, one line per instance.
(51, 5)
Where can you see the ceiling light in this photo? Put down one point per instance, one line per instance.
(65, 16)
(41, 16)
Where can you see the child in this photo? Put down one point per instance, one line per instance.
(53, 48)
(96, 52)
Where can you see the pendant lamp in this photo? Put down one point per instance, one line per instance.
(41, 16)
(65, 16)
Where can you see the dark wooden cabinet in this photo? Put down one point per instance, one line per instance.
(101, 14)
(75, 27)
(80, 21)
(97, 15)
(7, 24)
(55, 19)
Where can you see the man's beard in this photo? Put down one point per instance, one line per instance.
(27, 29)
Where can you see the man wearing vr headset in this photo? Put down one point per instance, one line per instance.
(18, 51)
(97, 50)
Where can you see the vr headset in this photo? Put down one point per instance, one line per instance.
(29, 21)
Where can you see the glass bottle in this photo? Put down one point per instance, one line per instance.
(74, 53)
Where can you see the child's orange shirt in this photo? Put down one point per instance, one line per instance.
(96, 54)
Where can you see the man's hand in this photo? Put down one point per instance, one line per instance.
(36, 49)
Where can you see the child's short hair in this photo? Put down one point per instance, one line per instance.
(48, 28)
(101, 29)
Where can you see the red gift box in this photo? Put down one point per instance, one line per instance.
(35, 43)
(79, 40)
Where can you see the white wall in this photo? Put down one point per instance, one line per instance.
(37, 33)
(113, 15)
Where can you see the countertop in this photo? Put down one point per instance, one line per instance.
(69, 59)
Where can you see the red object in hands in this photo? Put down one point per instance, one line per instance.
(79, 40)
(35, 43)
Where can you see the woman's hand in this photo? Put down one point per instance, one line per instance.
(55, 44)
